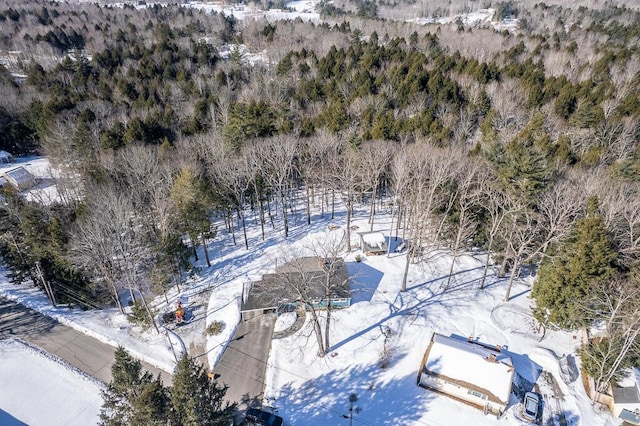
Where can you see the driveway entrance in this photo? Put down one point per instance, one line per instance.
(244, 362)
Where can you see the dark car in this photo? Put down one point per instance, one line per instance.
(255, 417)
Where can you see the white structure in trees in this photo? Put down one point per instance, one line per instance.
(373, 243)
(5, 157)
(474, 373)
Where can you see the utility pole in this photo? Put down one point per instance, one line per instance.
(47, 286)
(352, 400)
(171, 343)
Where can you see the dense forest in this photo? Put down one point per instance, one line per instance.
(522, 143)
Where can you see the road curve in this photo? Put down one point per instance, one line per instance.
(79, 350)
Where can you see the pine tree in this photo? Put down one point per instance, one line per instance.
(564, 282)
(152, 405)
(133, 396)
(190, 197)
(196, 399)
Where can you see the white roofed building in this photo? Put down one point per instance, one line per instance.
(474, 373)
(373, 243)
(20, 178)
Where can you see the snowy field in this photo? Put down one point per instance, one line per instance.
(307, 390)
(38, 389)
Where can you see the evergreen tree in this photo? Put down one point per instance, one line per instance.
(190, 197)
(522, 163)
(152, 405)
(564, 281)
(196, 399)
(133, 396)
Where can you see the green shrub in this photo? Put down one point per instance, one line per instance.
(215, 328)
(139, 316)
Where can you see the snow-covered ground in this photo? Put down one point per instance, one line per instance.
(304, 10)
(307, 390)
(478, 18)
(38, 389)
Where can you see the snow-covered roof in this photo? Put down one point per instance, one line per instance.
(19, 177)
(4, 154)
(374, 240)
(472, 363)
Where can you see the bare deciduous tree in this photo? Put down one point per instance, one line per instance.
(233, 178)
(276, 158)
(530, 233)
(616, 305)
(429, 169)
(495, 203)
(467, 196)
(112, 241)
(375, 157)
(620, 202)
(315, 281)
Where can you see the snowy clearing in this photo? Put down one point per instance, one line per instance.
(38, 389)
(307, 390)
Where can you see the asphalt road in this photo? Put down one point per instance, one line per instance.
(244, 362)
(77, 349)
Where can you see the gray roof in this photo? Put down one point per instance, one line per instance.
(304, 278)
(627, 395)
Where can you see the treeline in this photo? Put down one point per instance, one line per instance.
(166, 125)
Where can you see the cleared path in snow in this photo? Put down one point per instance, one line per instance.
(244, 362)
(77, 349)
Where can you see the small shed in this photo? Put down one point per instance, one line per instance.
(471, 372)
(20, 178)
(278, 291)
(625, 403)
(373, 243)
(5, 157)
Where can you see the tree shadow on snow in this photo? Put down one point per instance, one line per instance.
(412, 304)
(24, 325)
(563, 418)
(325, 399)
(459, 279)
(396, 245)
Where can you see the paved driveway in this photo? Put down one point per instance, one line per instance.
(77, 349)
(244, 362)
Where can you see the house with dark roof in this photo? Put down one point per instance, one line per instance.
(304, 282)
(20, 178)
(477, 374)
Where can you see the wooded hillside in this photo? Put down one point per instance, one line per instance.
(523, 144)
